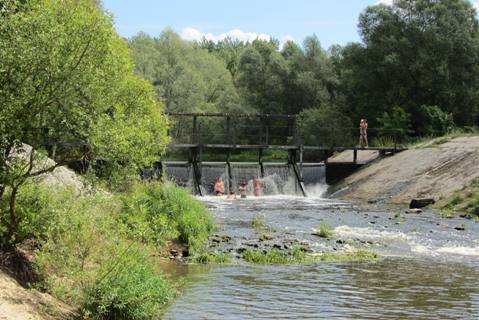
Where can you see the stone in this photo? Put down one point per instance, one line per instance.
(420, 203)
(460, 228)
(265, 237)
(416, 211)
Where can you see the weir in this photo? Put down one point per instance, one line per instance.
(221, 136)
(279, 178)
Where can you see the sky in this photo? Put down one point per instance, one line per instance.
(332, 21)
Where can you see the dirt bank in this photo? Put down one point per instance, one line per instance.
(18, 303)
(429, 171)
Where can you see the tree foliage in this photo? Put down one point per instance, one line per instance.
(414, 53)
(68, 89)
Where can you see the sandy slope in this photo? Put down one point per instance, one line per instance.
(18, 303)
(434, 171)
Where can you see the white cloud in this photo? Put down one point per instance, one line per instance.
(386, 2)
(192, 34)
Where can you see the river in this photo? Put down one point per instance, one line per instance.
(428, 266)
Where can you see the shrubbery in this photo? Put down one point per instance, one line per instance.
(157, 213)
(97, 250)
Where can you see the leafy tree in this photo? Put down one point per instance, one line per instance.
(260, 77)
(326, 126)
(68, 90)
(415, 53)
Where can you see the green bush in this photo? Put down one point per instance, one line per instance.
(432, 121)
(36, 209)
(159, 213)
(88, 259)
(127, 288)
(395, 125)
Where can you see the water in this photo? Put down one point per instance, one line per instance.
(427, 269)
(279, 178)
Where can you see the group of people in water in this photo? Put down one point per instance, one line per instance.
(258, 187)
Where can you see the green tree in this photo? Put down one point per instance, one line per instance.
(68, 90)
(261, 72)
(415, 53)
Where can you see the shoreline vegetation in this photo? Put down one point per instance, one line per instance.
(74, 93)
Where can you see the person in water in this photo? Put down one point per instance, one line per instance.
(258, 186)
(242, 190)
(231, 196)
(363, 133)
(219, 187)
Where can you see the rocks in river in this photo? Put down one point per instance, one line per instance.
(420, 203)
(414, 211)
(265, 237)
(460, 227)
(218, 239)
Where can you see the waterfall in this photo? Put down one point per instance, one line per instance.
(279, 178)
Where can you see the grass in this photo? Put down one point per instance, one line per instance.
(325, 231)
(259, 224)
(299, 256)
(97, 250)
(465, 201)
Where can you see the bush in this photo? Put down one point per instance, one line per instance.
(395, 124)
(159, 213)
(88, 260)
(432, 121)
(36, 210)
(127, 288)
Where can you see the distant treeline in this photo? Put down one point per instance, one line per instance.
(416, 69)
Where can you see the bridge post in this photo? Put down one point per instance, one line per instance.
(195, 129)
(260, 161)
(228, 130)
(301, 152)
(355, 155)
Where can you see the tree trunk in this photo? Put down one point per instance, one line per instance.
(13, 225)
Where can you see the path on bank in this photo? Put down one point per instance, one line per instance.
(429, 171)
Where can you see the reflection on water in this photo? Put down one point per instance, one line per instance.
(389, 289)
(431, 271)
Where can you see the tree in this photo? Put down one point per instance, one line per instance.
(260, 77)
(415, 53)
(67, 85)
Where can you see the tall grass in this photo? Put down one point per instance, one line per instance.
(97, 251)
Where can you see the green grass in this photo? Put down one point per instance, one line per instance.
(259, 224)
(275, 256)
(462, 202)
(98, 251)
(325, 231)
(300, 256)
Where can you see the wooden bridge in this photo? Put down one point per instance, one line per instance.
(224, 133)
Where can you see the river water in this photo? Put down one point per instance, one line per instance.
(427, 268)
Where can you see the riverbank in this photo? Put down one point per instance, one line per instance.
(434, 170)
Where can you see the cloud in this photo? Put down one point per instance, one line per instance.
(386, 2)
(192, 34)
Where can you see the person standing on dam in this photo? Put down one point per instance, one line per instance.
(363, 133)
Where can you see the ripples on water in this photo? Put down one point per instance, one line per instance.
(430, 272)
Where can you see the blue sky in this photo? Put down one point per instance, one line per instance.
(333, 21)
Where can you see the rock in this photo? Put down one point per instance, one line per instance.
(216, 239)
(340, 241)
(460, 228)
(277, 246)
(265, 237)
(416, 211)
(421, 203)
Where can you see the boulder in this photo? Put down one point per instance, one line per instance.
(421, 203)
